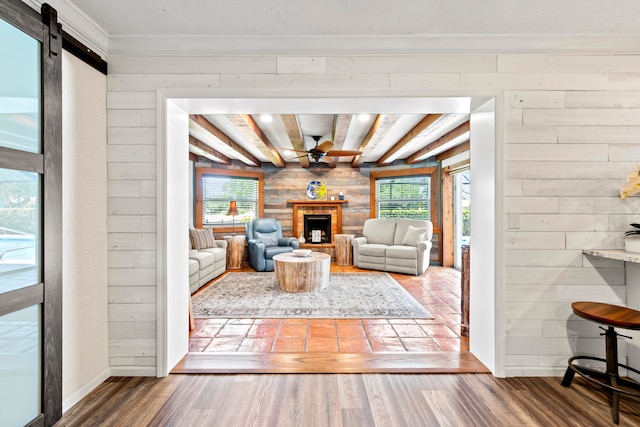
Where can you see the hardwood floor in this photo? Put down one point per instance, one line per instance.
(342, 345)
(346, 400)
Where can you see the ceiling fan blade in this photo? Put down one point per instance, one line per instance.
(325, 146)
(296, 157)
(330, 161)
(338, 153)
(298, 151)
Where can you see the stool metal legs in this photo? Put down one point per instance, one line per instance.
(608, 379)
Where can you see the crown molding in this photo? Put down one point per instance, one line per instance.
(77, 24)
(185, 45)
(84, 29)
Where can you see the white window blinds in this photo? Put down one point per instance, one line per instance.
(218, 191)
(403, 197)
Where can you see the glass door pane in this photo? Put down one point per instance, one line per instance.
(462, 208)
(19, 90)
(20, 350)
(19, 230)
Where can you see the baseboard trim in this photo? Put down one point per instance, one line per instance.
(535, 372)
(134, 371)
(87, 388)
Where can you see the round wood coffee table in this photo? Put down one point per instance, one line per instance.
(302, 274)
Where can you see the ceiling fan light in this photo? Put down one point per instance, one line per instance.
(364, 117)
(266, 118)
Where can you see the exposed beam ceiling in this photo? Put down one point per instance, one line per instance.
(283, 139)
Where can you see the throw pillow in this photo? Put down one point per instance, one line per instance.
(202, 239)
(269, 239)
(413, 236)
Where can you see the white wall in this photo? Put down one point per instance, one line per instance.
(571, 133)
(85, 333)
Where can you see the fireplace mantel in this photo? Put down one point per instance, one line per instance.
(317, 202)
(302, 206)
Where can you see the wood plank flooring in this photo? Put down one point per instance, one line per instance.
(332, 362)
(346, 400)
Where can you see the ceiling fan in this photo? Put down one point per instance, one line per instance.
(319, 152)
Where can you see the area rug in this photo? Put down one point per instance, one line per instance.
(349, 295)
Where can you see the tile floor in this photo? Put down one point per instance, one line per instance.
(438, 289)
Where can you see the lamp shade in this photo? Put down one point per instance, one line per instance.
(233, 209)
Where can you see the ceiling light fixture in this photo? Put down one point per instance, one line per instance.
(364, 117)
(266, 118)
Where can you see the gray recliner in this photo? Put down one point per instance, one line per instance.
(264, 240)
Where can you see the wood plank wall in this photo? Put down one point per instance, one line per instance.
(567, 133)
(290, 183)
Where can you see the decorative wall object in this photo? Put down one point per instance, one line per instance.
(633, 184)
(316, 190)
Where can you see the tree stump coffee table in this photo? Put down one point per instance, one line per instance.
(302, 274)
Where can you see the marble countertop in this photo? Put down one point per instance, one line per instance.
(618, 254)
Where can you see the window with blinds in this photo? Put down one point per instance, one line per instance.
(404, 197)
(218, 191)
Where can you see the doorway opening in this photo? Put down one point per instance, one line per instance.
(172, 302)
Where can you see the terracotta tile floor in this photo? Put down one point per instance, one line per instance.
(438, 290)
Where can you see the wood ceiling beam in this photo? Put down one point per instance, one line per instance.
(454, 151)
(444, 139)
(332, 162)
(250, 129)
(207, 151)
(243, 155)
(415, 132)
(380, 127)
(291, 126)
(340, 129)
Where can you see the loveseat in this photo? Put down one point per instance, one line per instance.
(401, 246)
(207, 258)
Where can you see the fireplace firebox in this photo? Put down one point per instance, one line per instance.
(317, 228)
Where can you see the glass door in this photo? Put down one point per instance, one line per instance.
(462, 213)
(29, 348)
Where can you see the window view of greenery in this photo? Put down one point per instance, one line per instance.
(403, 197)
(18, 228)
(218, 191)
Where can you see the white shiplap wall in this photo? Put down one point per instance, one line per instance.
(572, 134)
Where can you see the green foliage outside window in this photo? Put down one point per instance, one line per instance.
(403, 197)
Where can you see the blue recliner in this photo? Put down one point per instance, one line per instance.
(264, 240)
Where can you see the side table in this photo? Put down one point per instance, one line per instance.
(344, 250)
(235, 251)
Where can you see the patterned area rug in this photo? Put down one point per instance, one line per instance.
(349, 295)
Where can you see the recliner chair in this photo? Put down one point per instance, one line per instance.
(264, 240)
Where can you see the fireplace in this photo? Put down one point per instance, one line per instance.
(329, 210)
(317, 228)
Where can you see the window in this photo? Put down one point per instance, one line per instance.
(216, 187)
(403, 197)
(404, 193)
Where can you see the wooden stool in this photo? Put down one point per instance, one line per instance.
(610, 316)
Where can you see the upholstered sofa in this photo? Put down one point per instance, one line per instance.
(207, 258)
(401, 246)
